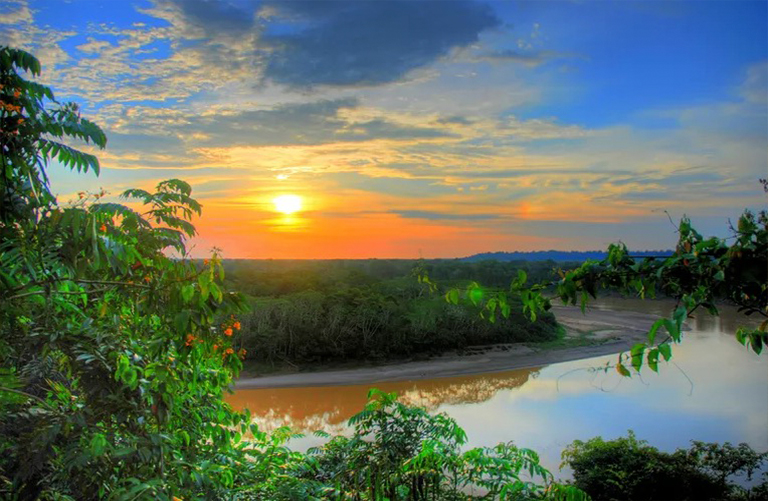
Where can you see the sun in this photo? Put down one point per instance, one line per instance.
(287, 204)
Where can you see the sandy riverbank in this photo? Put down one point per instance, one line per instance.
(609, 331)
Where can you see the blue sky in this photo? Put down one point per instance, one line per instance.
(440, 128)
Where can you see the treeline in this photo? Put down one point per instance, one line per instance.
(277, 277)
(340, 310)
(558, 256)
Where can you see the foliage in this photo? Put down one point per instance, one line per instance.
(112, 368)
(629, 469)
(398, 452)
(701, 273)
(390, 319)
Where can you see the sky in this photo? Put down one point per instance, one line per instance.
(407, 129)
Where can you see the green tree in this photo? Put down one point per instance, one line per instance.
(629, 469)
(112, 366)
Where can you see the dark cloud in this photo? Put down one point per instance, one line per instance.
(311, 123)
(383, 129)
(296, 123)
(214, 16)
(367, 42)
(455, 119)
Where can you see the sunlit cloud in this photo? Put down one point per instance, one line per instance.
(473, 125)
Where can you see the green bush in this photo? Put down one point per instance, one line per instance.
(628, 469)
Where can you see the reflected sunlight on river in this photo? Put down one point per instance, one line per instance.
(712, 390)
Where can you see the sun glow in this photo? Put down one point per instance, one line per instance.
(287, 204)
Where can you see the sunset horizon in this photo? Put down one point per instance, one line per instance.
(417, 129)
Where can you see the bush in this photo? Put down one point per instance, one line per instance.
(628, 469)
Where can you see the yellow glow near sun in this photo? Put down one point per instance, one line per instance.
(287, 204)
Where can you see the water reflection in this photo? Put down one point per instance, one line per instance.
(328, 408)
(713, 391)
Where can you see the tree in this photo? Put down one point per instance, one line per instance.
(629, 469)
(700, 274)
(113, 365)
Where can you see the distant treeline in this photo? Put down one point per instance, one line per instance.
(339, 310)
(278, 277)
(558, 256)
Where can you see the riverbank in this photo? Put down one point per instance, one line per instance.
(599, 332)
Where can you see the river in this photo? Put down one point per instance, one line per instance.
(713, 390)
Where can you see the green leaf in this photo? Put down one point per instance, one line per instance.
(187, 293)
(452, 296)
(637, 356)
(622, 370)
(98, 444)
(654, 328)
(666, 351)
(653, 359)
(672, 329)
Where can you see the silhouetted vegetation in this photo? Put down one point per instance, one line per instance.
(628, 469)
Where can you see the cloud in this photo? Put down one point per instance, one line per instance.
(755, 86)
(527, 59)
(454, 119)
(15, 12)
(542, 128)
(367, 43)
(205, 18)
(443, 216)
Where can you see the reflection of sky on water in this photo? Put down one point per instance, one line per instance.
(715, 392)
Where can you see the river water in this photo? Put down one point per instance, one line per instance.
(712, 390)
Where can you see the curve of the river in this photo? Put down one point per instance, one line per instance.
(713, 390)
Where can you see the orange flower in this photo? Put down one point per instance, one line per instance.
(228, 331)
(147, 279)
(205, 262)
(190, 340)
(242, 353)
(17, 93)
(230, 351)
(215, 347)
(236, 325)
(103, 228)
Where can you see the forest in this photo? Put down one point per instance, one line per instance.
(114, 356)
(333, 311)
